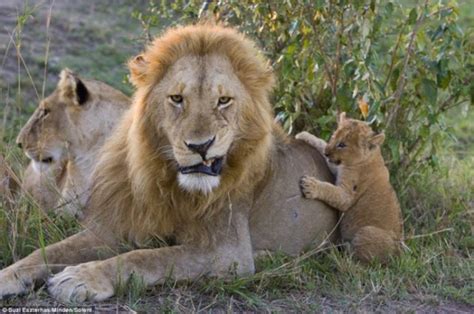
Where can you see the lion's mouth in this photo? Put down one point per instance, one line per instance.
(40, 158)
(47, 160)
(212, 167)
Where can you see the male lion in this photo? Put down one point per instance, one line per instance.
(372, 217)
(197, 159)
(63, 137)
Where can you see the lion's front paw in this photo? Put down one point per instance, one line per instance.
(11, 284)
(76, 284)
(309, 187)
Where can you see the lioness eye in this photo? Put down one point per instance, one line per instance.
(341, 145)
(178, 99)
(224, 101)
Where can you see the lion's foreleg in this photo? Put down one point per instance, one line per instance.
(21, 276)
(97, 280)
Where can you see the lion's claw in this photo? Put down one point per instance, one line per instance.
(76, 284)
(11, 285)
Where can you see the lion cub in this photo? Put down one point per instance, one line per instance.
(372, 217)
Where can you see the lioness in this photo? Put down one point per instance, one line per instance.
(372, 216)
(198, 159)
(63, 137)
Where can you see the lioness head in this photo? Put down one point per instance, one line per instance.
(206, 93)
(73, 118)
(353, 142)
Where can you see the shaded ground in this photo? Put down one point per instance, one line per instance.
(95, 38)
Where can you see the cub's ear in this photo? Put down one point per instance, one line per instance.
(376, 140)
(342, 117)
(138, 69)
(72, 89)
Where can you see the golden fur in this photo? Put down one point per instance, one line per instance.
(195, 85)
(62, 139)
(372, 217)
(150, 181)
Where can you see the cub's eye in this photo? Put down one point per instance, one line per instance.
(45, 112)
(177, 99)
(224, 102)
(341, 145)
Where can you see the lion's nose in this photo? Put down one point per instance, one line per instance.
(200, 148)
(18, 143)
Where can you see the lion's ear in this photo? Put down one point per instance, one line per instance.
(138, 69)
(71, 88)
(342, 117)
(376, 140)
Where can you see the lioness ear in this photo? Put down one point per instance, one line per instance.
(72, 89)
(342, 117)
(376, 140)
(138, 68)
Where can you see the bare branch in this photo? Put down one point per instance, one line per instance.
(397, 96)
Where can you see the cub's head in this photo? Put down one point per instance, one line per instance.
(353, 142)
(205, 93)
(70, 120)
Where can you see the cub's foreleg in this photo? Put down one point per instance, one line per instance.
(332, 195)
(312, 140)
(319, 144)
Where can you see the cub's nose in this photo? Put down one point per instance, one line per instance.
(200, 148)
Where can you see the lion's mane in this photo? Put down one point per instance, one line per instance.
(136, 192)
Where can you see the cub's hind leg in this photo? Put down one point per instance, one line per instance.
(371, 243)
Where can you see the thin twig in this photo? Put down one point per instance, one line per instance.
(397, 96)
(418, 236)
(48, 43)
(392, 63)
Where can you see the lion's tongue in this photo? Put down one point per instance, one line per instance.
(210, 167)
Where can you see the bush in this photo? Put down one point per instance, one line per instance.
(400, 68)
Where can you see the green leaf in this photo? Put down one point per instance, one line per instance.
(412, 16)
(428, 91)
(394, 150)
(443, 79)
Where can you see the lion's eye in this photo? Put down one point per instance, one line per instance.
(177, 99)
(341, 145)
(45, 112)
(224, 102)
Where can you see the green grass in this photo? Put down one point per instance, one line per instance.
(435, 272)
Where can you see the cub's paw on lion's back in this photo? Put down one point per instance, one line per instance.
(308, 186)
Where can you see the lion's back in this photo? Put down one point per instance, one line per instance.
(282, 219)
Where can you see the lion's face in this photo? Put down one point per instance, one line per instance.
(353, 142)
(40, 138)
(63, 123)
(200, 100)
